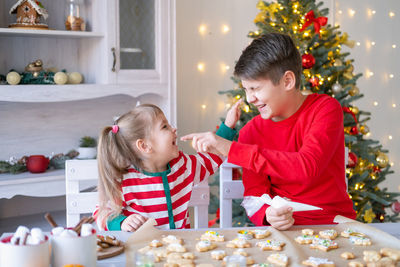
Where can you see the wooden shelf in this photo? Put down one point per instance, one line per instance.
(61, 93)
(12, 32)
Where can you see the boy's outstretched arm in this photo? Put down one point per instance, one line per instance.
(210, 142)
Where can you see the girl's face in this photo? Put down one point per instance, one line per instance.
(163, 141)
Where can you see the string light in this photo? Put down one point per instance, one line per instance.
(368, 74)
(370, 12)
(375, 103)
(391, 14)
(224, 67)
(391, 76)
(393, 46)
(203, 106)
(358, 43)
(340, 12)
(200, 66)
(393, 105)
(390, 137)
(352, 12)
(372, 43)
(203, 29)
(225, 29)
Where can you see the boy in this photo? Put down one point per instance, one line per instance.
(294, 148)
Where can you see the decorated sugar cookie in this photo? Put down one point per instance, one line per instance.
(261, 233)
(248, 235)
(304, 239)
(172, 239)
(176, 247)
(318, 262)
(351, 232)
(240, 251)
(328, 234)
(278, 259)
(347, 255)
(360, 240)
(155, 243)
(238, 243)
(270, 245)
(212, 236)
(218, 254)
(323, 244)
(205, 245)
(307, 231)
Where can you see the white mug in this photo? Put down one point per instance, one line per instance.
(73, 250)
(24, 255)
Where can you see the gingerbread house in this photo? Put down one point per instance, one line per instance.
(29, 14)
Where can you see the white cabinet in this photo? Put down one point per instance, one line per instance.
(91, 53)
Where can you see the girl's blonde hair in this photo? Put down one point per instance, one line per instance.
(117, 152)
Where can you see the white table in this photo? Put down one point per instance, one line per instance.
(120, 260)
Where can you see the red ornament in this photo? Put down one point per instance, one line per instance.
(354, 130)
(352, 160)
(396, 207)
(311, 19)
(314, 81)
(376, 169)
(37, 163)
(308, 61)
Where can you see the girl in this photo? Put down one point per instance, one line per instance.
(144, 175)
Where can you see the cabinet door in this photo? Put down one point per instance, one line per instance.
(142, 48)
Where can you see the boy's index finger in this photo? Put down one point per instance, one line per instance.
(188, 137)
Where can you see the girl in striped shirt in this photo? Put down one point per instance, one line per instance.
(144, 175)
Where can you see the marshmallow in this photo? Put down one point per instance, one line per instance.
(86, 229)
(32, 240)
(68, 233)
(57, 230)
(38, 234)
(22, 233)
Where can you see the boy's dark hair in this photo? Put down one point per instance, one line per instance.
(269, 56)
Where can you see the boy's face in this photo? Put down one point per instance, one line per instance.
(269, 99)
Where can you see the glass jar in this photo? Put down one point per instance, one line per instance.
(75, 15)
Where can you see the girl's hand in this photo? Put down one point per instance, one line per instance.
(233, 114)
(281, 218)
(132, 222)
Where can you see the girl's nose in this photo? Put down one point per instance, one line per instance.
(250, 97)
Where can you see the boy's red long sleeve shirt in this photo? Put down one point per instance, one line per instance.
(301, 158)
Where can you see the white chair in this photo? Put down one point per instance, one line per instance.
(233, 189)
(81, 174)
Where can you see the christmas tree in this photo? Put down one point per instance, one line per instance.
(327, 70)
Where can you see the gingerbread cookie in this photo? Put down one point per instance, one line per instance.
(304, 239)
(212, 236)
(278, 259)
(347, 255)
(391, 253)
(318, 262)
(261, 233)
(205, 245)
(177, 258)
(238, 243)
(351, 232)
(270, 245)
(218, 254)
(328, 234)
(360, 240)
(323, 244)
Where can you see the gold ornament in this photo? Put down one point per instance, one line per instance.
(344, 40)
(369, 216)
(354, 91)
(338, 63)
(13, 78)
(364, 129)
(355, 110)
(74, 78)
(60, 78)
(261, 17)
(307, 73)
(347, 129)
(382, 159)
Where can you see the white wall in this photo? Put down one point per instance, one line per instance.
(200, 88)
